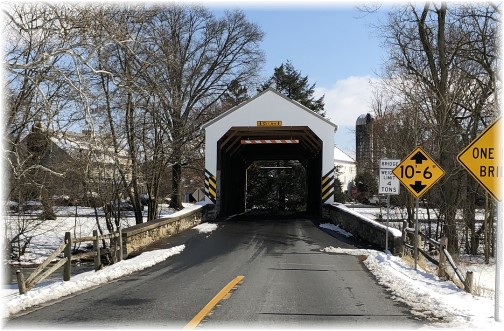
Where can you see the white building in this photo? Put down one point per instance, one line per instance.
(347, 167)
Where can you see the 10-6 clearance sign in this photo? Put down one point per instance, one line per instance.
(418, 172)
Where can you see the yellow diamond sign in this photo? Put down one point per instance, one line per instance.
(418, 172)
(483, 159)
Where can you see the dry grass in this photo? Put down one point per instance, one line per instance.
(478, 288)
(422, 262)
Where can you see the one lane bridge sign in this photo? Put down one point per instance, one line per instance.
(482, 158)
(418, 172)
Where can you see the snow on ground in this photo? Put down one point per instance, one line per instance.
(336, 228)
(397, 213)
(205, 227)
(363, 213)
(484, 274)
(80, 222)
(426, 294)
(15, 302)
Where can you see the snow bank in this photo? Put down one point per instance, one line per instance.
(89, 279)
(428, 296)
(336, 228)
(187, 209)
(393, 231)
(206, 227)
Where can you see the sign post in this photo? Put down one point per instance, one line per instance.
(418, 172)
(482, 158)
(499, 255)
(389, 184)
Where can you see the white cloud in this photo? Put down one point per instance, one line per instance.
(347, 99)
(344, 102)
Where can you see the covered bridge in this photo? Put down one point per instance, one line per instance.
(269, 126)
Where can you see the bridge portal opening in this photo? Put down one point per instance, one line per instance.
(241, 149)
(276, 186)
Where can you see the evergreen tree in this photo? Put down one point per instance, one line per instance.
(275, 190)
(366, 186)
(288, 81)
(339, 195)
(235, 94)
(270, 186)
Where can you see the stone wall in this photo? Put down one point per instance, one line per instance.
(363, 228)
(141, 235)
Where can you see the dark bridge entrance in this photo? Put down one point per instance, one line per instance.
(241, 146)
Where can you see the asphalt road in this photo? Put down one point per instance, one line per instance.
(287, 281)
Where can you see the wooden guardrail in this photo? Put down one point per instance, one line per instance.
(40, 273)
(444, 256)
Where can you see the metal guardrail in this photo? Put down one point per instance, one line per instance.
(40, 273)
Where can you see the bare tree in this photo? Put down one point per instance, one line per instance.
(40, 98)
(139, 79)
(478, 102)
(447, 57)
(194, 58)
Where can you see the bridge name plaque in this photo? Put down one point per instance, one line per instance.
(269, 123)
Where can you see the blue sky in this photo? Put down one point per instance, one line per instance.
(333, 44)
(327, 44)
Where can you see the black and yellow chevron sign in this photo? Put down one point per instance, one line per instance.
(210, 186)
(328, 185)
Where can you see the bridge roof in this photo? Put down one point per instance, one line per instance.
(268, 90)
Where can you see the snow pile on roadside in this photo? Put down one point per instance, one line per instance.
(187, 208)
(336, 228)
(426, 294)
(205, 227)
(393, 231)
(88, 280)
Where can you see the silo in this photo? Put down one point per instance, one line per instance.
(364, 143)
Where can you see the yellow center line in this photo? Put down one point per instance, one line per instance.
(212, 303)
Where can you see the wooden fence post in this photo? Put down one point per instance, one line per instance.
(120, 243)
(404, 226)
(113, 248)
(468, 285)
(96, 248)
(443, 242)
(21, 282)
(67, 268)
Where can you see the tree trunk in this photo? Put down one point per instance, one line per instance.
(153, 192)
(176, 199)
(152, 206)
(470, 218)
